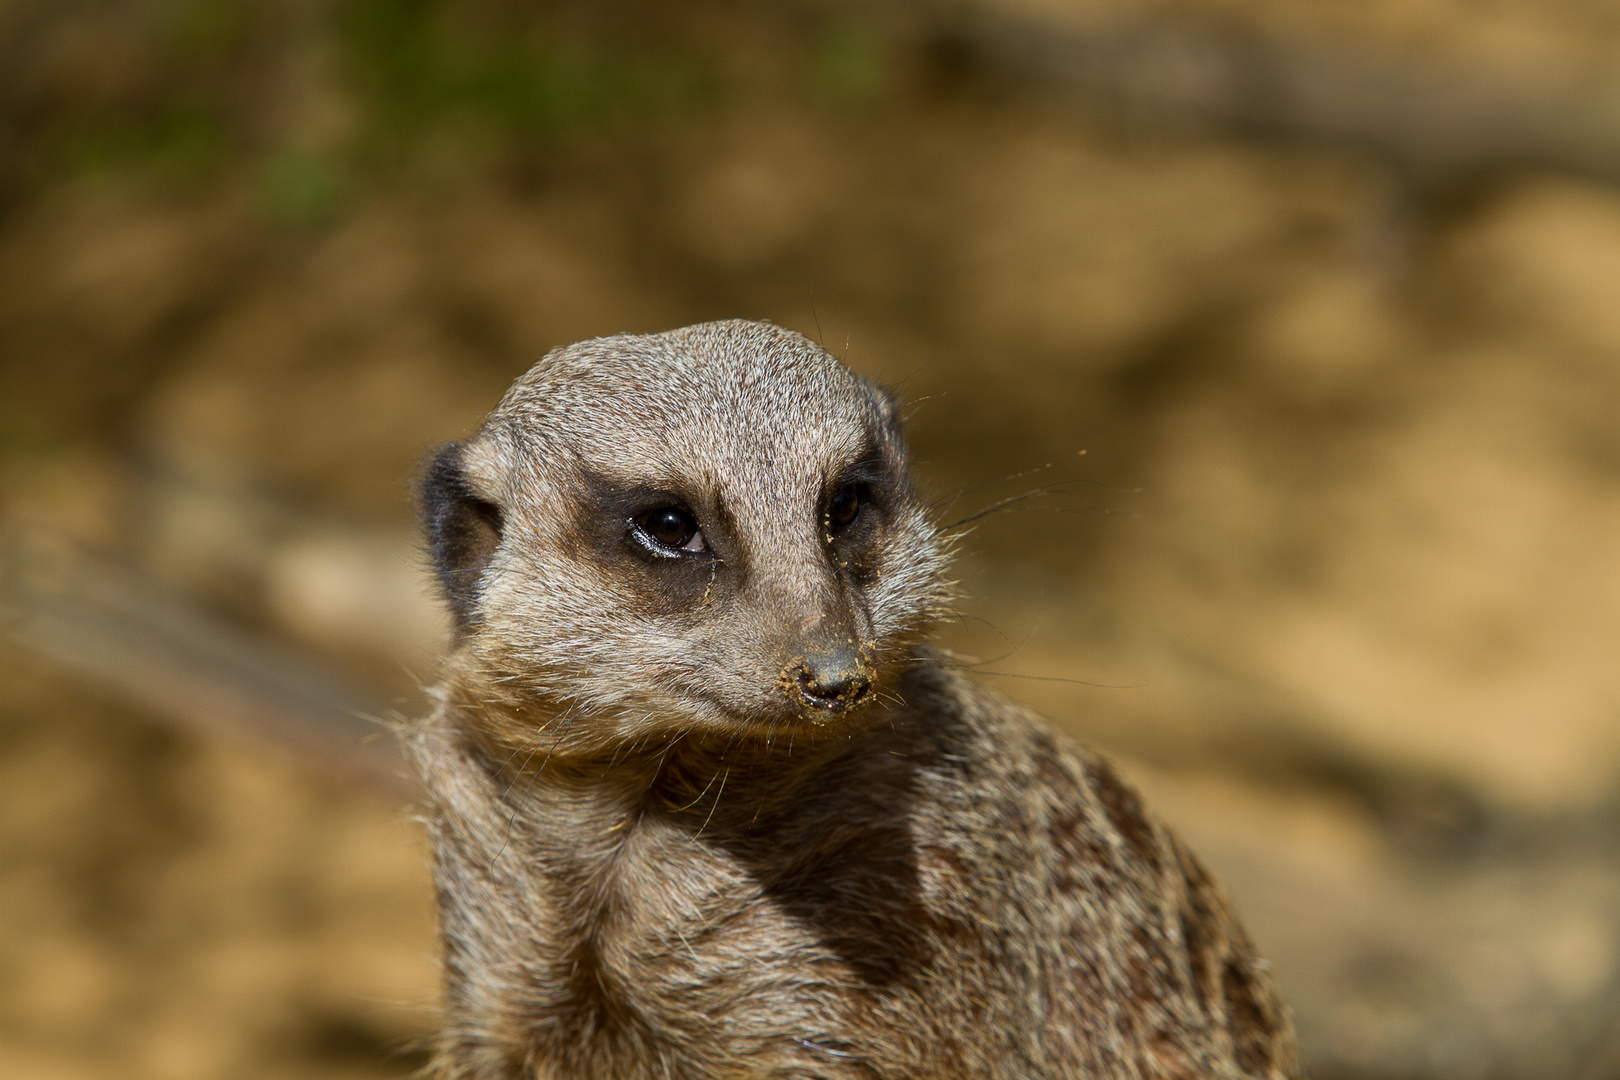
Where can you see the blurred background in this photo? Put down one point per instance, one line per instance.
(1286, 336)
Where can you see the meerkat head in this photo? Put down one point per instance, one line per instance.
(708, 530)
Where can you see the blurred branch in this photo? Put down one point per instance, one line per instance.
(169, 657)
(1435, 121)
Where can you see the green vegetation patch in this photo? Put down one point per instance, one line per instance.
(421, 65)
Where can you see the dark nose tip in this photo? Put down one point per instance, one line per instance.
(833, 680)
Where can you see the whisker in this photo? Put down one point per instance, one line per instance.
(1059, 678)
(716, 803)
(943, 504)
(1014, 651)
(964, 615)
(556, 738)
(1100, 511)
(511, 820)
(1011, 500)
(694, 802)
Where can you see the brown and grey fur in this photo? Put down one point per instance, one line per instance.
(661, 852)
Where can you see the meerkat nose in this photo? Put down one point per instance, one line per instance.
(833, 680)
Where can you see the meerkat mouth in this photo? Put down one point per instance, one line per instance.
(837, 706)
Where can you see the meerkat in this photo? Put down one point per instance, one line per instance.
(704, 803)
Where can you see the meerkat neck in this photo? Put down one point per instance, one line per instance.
(707, 787)
(583, 817)
(623, 850)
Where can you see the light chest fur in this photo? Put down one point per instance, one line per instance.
(704, 804)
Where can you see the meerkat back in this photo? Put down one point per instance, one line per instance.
(703, 802)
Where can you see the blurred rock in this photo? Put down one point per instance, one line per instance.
(1327, 337)
(1542, 263)
(764, 191)
(177, 909)
(521, 277)
(349, 592)
(1428, 577)
(1083, 254)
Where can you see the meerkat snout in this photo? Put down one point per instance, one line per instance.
(833, 681)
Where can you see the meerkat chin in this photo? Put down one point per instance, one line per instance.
(704, 804)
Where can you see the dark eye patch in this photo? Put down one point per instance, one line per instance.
(656, 542)
(859, 496)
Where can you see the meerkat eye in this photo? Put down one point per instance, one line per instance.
(844, 508)
(669, 529)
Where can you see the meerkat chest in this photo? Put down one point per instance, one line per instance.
(683, 945)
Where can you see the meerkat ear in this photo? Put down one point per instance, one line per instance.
(463, 530)
(888, 400)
